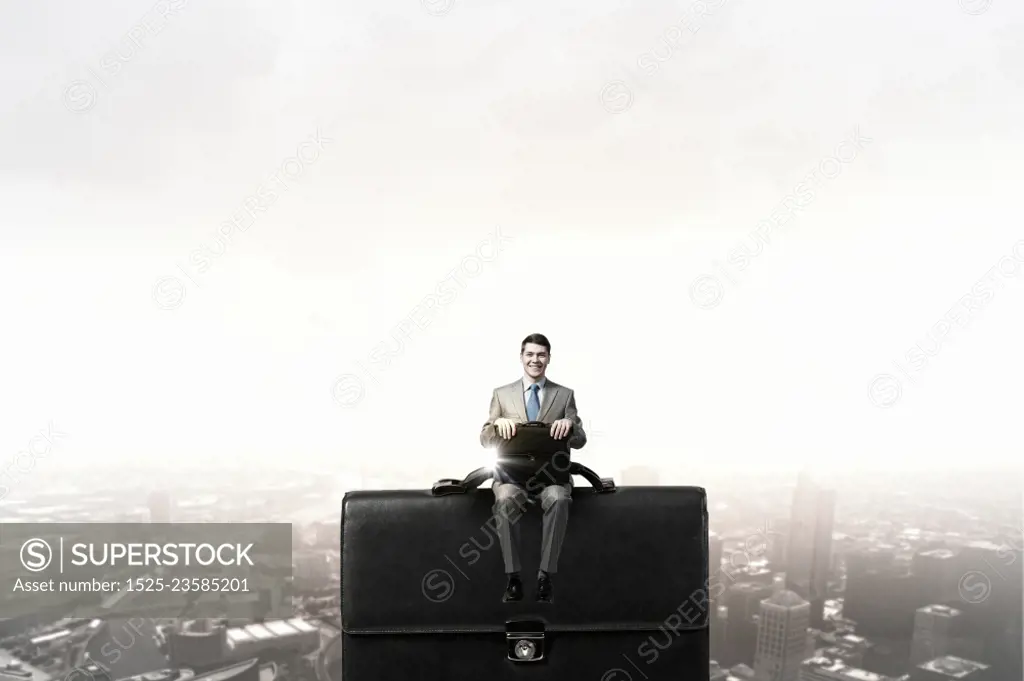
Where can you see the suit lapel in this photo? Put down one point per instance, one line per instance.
(518, 400)
(551, 391)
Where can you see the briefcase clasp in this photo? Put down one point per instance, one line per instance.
(525, 640)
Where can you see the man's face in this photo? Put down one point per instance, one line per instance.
(535, 360)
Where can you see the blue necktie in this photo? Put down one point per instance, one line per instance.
(533, 404)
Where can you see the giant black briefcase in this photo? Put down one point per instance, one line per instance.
(422, 583)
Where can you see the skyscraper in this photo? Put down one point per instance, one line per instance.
(935, 633)
(777, 544)
(719, 633)
(809, 547)
(936, 573)
(743, 603)
(782, 635)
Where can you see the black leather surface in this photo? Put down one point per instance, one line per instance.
(660, 655)
(422, 580)
(533, 439)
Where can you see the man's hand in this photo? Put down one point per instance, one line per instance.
(506, 428)
(561, 428)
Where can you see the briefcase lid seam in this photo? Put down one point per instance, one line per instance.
(500, 629)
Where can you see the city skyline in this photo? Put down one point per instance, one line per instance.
(750, 540)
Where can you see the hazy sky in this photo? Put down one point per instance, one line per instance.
(621, 182)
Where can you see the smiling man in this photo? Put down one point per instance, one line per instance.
(532, 398)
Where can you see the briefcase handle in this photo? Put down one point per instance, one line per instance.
(448, 486)
(528, 423)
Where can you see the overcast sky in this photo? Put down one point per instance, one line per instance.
(623, 172)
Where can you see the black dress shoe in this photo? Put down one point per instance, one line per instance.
(544, 594)
(514, 590)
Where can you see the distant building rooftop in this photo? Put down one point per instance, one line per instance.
(953, 667)
(163, 675)
(984, 545)
(742, 671)
(853, 638)
(13, 669)
(940, 610)
(827, 664)
(749, 587)
(268, 630)
(230, 672)
(785, 599)
(51, 636)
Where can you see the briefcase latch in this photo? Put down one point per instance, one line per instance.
(525, 640)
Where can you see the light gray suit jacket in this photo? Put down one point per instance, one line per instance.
(508, 402)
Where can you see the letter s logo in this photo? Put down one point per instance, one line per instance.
(975, 587)
(36, 555)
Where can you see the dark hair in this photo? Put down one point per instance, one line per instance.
(536, 339)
